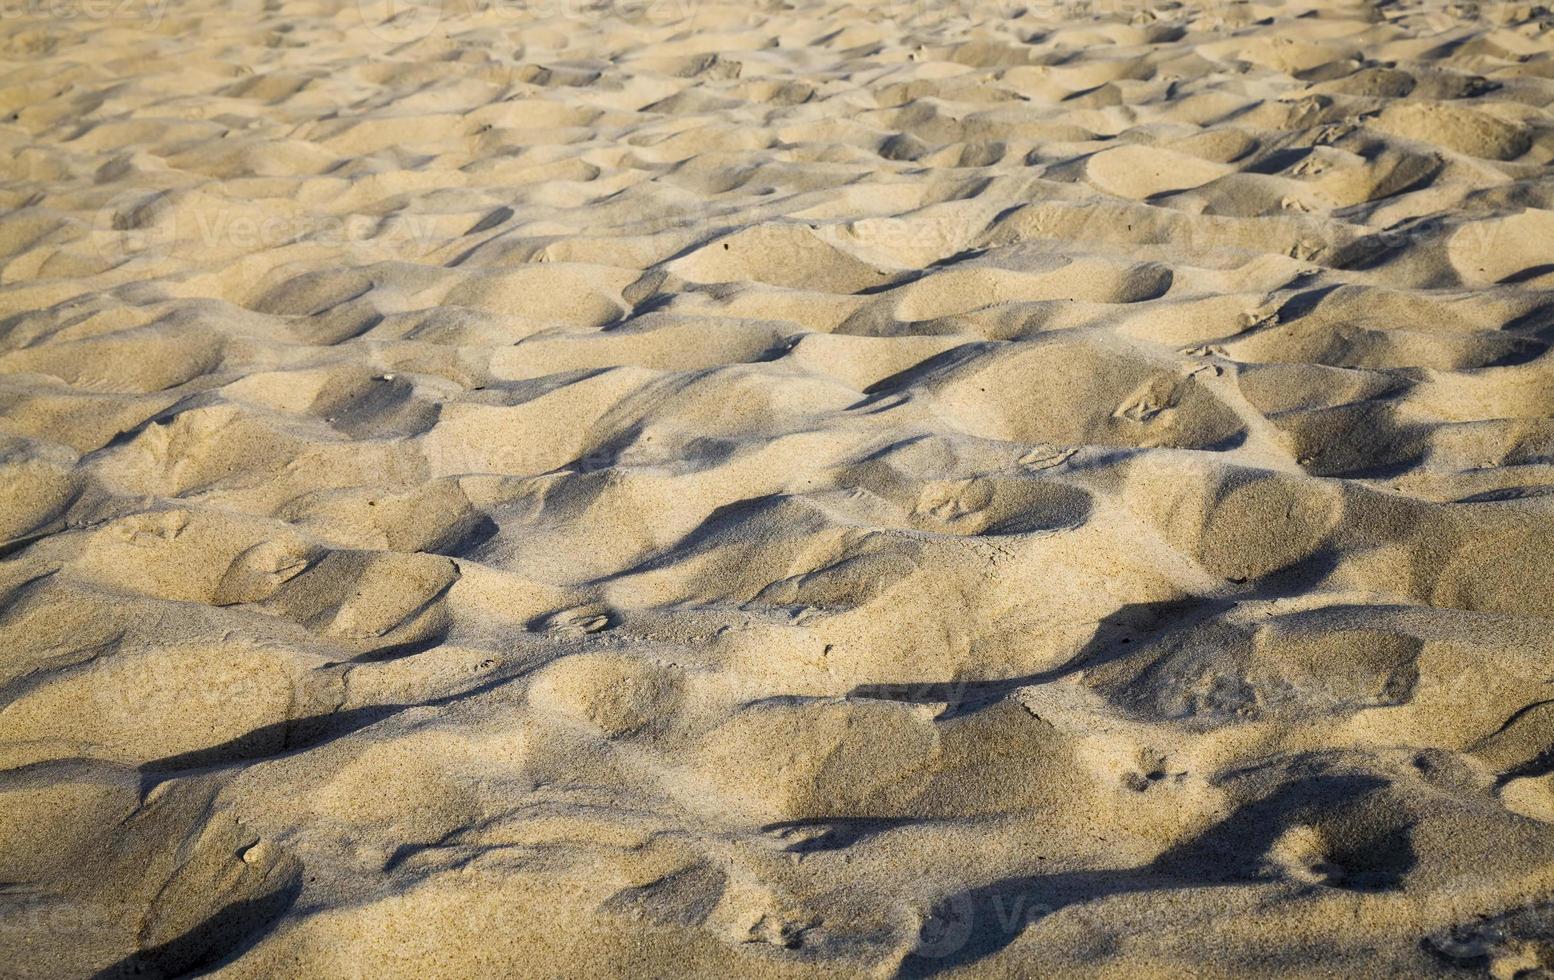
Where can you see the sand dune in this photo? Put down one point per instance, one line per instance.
(817, 488)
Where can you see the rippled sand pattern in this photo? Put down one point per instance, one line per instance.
(809, 489)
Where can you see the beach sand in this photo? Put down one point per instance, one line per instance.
(663, 488)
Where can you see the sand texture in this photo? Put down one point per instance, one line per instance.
(817, 489)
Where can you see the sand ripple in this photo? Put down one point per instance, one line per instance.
(659, 488)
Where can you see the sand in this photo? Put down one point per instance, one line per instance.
(799, 490)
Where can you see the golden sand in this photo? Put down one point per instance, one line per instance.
(662, 488)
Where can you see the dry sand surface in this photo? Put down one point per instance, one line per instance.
(805, 489)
